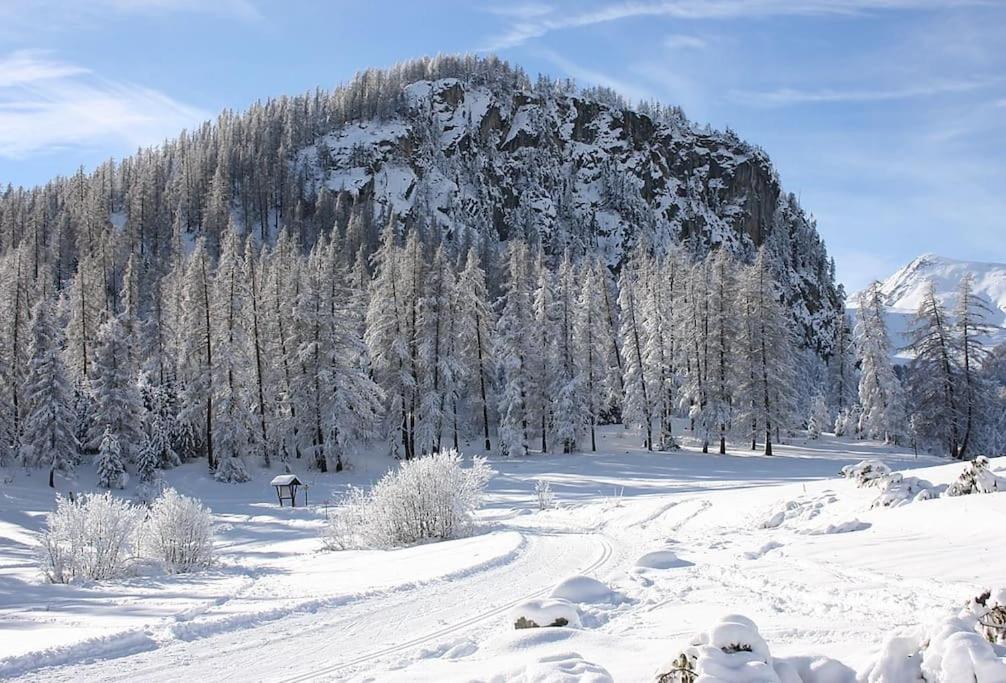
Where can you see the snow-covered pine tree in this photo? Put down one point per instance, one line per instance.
(543, 358)
(196, 357)
(47, 437)
(439, 366)
(387, 336)
(233, 432)
(720, 335)
(935, 372)
(162, 430)
(637, 407)
(568, 411)
(254, 326)
(512, 348)
(109, 463)
(880, 397)
(818, 419)
(765, 337)
(475, 322)
(592, 344)
(976, 400)
(842, 365)
(116, 404)
(692, 324)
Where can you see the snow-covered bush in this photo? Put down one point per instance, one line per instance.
(954, 649)
(433, 497)
(178, 533)
(543, 491)
(734, 652)
(867, 472)
(977, 478)
(92, 538)
(898, 490)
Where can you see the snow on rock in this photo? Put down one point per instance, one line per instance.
(900, 490)
(661, 559)
(547, 612)
(761, 550)
(583, 589)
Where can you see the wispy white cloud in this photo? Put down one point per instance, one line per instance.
(17, 17)
(789, 96)
(47, 104)
(683, 41)
(527, 27)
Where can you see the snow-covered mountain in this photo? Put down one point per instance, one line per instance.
(904, 290)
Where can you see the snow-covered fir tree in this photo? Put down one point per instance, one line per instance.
(47, 438)
(512, 350)
(880, 391)
(109, 463)
(116, 405)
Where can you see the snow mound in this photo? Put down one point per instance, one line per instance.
(563, 667)
(661, 559)
(761, 550)
(547, 612)
(583, 589)
(840, 528)
(866, 472)
(955, 649)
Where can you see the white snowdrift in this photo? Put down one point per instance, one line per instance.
(585, 590)
(661, 559)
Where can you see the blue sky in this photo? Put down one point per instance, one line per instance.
(886, 117)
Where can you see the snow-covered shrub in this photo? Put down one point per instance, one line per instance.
(545, 613)
(867, 472)
(178, 533)
(433, 497)
(954, 649)
(898, 490)
(543, 491)
(732, 650)
(818, 418)
(92, 538)
(977, 478)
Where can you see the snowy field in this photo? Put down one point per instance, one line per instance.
(678, 540)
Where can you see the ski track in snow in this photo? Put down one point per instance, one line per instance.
(810, 592)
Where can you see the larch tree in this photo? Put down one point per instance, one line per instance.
(766, 342)
(637, 406)
(512, 348)
(475, 322)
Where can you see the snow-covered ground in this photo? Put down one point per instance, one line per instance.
(678, 539)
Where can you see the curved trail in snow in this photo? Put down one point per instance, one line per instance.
(336, 641)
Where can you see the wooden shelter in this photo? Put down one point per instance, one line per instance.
(286, 488)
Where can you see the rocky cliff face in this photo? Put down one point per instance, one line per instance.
(575, 173)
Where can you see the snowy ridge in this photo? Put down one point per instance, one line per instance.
(904, 290)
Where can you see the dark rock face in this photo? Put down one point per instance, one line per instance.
(582, 175)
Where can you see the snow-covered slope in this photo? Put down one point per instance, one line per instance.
(645, 548)
(905, 289)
